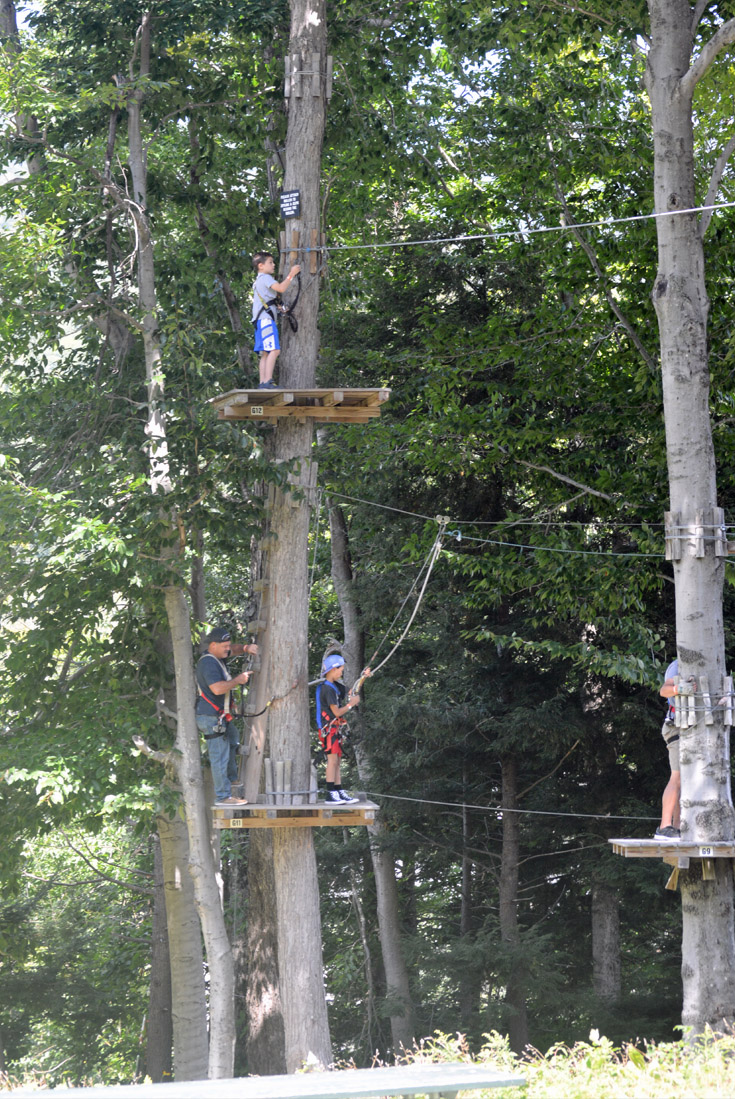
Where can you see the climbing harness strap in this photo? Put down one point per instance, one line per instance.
(280, 307)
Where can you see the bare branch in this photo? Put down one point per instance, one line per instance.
(724, 36)
(559, 476)
(714, 185)
(168, 758)
(699, 11)
(588, 251)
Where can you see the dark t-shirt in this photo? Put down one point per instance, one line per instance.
(210, 670)
(329, 694)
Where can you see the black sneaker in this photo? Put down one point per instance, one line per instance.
(333, 797)
(344, 796)
(667, 833)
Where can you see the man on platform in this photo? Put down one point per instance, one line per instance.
(213, 712)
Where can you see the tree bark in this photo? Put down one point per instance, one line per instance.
(605, 942)
(515, 985)
(265, 1043)
(189, 1008)
(159, 1029)
(297, 918)
(680, 299)
(400, 1004)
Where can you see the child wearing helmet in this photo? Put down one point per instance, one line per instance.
(332, 703)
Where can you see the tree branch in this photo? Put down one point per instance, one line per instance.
(168, 758)
(714, 185)
(588, 251)
(559, 476)
(699, 11)
(724, 36)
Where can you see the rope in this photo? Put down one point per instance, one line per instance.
(503, 809)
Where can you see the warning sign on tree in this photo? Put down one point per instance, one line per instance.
(290, 204)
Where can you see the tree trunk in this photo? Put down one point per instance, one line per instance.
(398, 990)
(189, 1008)
(515, 986)
(297, 918)
(159, 1029)
(201, 860)
(605, 942)
(680, 299)
(266, 1049)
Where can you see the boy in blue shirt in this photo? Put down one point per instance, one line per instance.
(332, 703)
(265, 316)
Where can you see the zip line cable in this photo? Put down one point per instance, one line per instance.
(428, 565)
(504, 809)
(499, 234)
(433, 555)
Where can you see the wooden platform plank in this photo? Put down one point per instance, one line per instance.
(327, 405)
(361, 1083)
(668, 849)
(321, 814)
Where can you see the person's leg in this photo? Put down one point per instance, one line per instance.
(218, 750)
(267, 345)
(332, 768)
(670, 810)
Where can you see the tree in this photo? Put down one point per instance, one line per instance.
(680, 297)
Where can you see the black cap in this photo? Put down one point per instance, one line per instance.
(218, 634)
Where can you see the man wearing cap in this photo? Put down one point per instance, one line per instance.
(213, 715)
(331, 706)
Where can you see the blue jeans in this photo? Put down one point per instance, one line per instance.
(222, 754)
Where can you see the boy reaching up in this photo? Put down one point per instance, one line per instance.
(265, 316)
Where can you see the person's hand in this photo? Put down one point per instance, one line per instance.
(687, 686)
(294, 271)
(243, 677)
(253, 649)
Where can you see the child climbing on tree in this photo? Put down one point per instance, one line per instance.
(265, 316)
(331, 706)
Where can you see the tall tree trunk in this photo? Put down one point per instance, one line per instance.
(515, 985)
(159, 1030)
(605, 942)
(680, 299)
(297, 918)
(189, 1008)
(266, 1048)
(470, 981)
(398, 990)
(201, 861)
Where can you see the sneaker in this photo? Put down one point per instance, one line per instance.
(232, 801)
(344, 796)
(667, 833)
(333, 797)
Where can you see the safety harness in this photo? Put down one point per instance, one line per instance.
(279, 305)
(223, 712)
(332, 730)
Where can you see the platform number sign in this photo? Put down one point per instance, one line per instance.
(256, 410)
(706, 852)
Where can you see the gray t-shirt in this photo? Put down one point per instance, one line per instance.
(263, 295)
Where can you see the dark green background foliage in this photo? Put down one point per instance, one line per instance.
(526, 406)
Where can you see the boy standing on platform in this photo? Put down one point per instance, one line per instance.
(331, 706)
(265, 316)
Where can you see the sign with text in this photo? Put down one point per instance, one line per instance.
(290, 204)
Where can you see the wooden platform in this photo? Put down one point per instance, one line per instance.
(344, 406)
(320, 814)
(671, 849)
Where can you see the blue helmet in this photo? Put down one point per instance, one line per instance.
(333, 661)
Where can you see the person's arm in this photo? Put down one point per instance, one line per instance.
(279, 287)
(668, 689)
(222, 686)
(238, 649)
